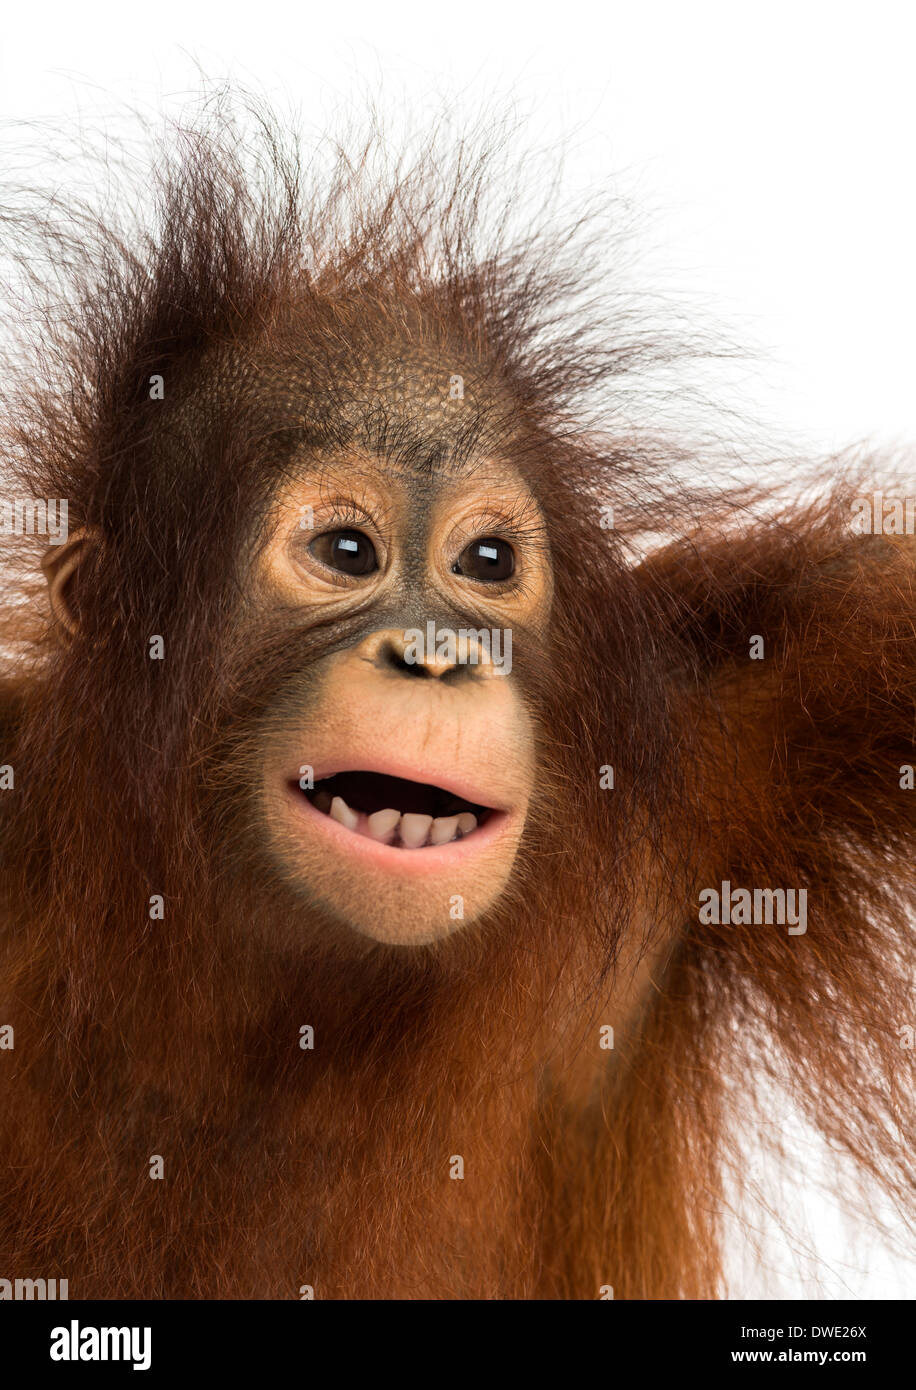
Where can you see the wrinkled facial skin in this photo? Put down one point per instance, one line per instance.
(397, 774)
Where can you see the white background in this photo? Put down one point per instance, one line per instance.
(772, 145)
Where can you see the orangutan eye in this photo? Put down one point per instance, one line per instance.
(348, 552)
(488, 559)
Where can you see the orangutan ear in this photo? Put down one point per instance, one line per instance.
(60, 565)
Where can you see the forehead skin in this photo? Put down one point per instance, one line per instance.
(393, 384)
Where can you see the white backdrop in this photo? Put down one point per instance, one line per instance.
(772, 146)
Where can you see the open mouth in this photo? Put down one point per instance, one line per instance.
(395, 811)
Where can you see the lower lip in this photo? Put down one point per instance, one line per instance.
(430, 859)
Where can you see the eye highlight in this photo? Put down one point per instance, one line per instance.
(347, 552)
(487, 559)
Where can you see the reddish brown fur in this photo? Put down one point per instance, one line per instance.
(179, 1038)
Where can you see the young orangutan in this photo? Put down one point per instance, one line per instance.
(397, 872)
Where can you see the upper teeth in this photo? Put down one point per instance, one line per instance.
(413, 830)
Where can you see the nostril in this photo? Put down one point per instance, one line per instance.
(391, 658)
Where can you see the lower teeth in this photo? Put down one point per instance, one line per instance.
(390, 827)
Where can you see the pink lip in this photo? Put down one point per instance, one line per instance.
(431, 859)
(392, 766)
